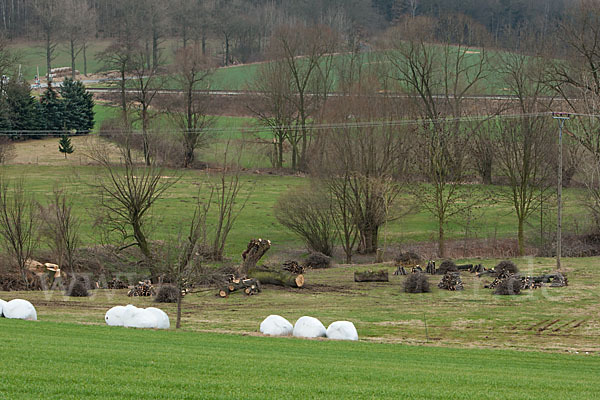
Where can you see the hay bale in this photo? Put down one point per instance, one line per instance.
(342, 330)
(133, 317)
(276, 325)
(416, 283)
(167, 294)
(507, 266)
(309, 327)
(447, 266)
(20, 309)
(317, 260)
(2, 305)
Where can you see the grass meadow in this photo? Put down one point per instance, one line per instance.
(65, 361)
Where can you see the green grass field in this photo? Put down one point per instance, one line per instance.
(65, 361)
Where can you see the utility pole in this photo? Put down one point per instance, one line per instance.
(562, 118)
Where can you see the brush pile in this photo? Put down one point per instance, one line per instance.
(116, 284)
(293, 267)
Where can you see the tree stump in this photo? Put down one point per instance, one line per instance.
(255, 250)
(371, 276)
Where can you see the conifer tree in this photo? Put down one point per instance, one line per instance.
(78, 106)
(53, 111)
(65, 146)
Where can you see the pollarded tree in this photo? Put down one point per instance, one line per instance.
(78, 106)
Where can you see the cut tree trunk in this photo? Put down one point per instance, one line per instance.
(248, 286)
(278, 277)
(255, 250)
(371, 276)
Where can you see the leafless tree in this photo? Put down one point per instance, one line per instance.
(79, 24)
(61, 227)
(524, 146)
(18, 223)
(127, 193)
(7, 150)
(50, 18)
(307, 54)
(438, 77)
(189, 112)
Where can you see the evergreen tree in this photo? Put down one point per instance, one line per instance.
(78, 104)
(65, 146)
(53, 110)
(21, 110)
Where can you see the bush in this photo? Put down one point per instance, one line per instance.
(509, 286)
(507, 266)
(447, 266)
(167, 294)
(78, 288)
(317, 260)
(407, 258)
(306, 211)
(417, 283)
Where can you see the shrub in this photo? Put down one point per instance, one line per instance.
(317, 260)
(447, 266)
(417, 283)
(507, 266)
(407, 258)
(509, 286)
(78, 288)
(167, 294)
(306, 211)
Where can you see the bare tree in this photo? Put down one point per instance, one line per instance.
(192, 70)
(61, 228)
(7, 149)
(524, 146)
(18, 223)
(50, 17)
(438, 78)
(307, 54)
(127, 194)
(79, 24)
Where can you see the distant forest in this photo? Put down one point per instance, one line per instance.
(242, 27)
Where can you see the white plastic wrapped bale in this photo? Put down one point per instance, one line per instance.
(276, 325)
(114, 316)
(19, 309)
(342, 330)
(133, 317)
(2, 304)
(309, 327)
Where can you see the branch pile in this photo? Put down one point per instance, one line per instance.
(293, 267)
(371, 276)
(116, 284)
(451, 281)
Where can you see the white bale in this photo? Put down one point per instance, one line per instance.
(131, 316)
(276, 325)
(309, 327)
(2, 304)
(114, 316)
(161, 316)
(19, 309)
(342, 330)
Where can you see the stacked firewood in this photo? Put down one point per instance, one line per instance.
(451, 281)
(248, 286)
(142, 289)
(293, 267)
(116, 284)
(529, 282)
(501, 277)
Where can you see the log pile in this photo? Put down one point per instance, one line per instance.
(293, 267)
(371, 276)
(451, 281)
(501, 277)
(416, 269)
(557, 280)
(248, 286)
(142, 289)
(529, 282)
(116, 284)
